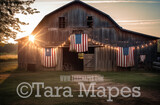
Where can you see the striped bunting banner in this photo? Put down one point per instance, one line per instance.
(125, 57)
(79, 42)
(49, 57)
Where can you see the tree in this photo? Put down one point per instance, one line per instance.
(9, 24)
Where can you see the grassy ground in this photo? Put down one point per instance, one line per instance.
(9, 66)
(8, 95)
(146, 80)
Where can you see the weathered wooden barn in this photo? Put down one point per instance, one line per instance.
(105, 35)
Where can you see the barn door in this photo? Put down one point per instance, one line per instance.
(89, 62)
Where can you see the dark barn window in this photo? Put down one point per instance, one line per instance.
(61, 22)
(89, 21)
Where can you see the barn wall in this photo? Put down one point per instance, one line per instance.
(59, 66)
(103, 30)
(151, 55)
(105, 59)
(31, 54)
(21, 56)
(27, 54)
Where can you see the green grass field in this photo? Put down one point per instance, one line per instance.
(147, 80)
(10, 77)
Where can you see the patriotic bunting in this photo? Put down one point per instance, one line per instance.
(79, 42)
(49, 57)
(125, 56)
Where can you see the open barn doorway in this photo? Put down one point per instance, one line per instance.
(71, 61)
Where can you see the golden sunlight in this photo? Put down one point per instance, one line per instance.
(31, 38)
(11, 40)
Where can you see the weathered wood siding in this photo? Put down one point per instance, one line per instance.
(104, 30)
(31, 54)
(89, 62)
(76, 19)
(27, 54)
(105, 58)
(21, 56)
(151, 55)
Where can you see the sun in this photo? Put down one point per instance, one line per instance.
(31, 38)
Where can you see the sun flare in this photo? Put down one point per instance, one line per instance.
(31, 38)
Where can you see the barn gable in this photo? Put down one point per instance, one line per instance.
(78, 6)
(75, 14)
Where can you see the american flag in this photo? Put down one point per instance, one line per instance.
(125, 56)
(79, 42)
(49, 57)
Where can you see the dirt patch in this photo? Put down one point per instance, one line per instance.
(146, 98)
(149, 74)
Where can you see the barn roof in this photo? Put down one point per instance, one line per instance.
(98, 11)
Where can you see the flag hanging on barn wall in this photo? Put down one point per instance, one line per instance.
(79, 43)
(49, 57)
(125, 56)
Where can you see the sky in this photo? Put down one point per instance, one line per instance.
(137, 15)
